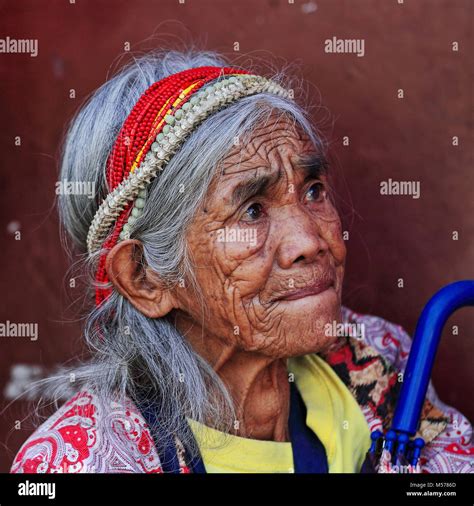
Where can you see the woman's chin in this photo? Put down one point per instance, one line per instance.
(313, 344)
(313, 334)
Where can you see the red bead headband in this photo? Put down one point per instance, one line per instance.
(152, 132)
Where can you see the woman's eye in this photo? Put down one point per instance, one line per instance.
(253, 212)
(316, 192)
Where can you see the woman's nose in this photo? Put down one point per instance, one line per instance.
(300, 239)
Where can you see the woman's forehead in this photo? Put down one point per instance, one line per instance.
(257, 174)
(268, 145)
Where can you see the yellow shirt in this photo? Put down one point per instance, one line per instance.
(332, 413)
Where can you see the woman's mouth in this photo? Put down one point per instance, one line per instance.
(314, 289)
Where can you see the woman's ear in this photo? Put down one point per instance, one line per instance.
(135, 281)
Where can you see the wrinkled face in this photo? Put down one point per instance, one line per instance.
(268, 249)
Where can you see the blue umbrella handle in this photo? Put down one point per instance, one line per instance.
(423, 351)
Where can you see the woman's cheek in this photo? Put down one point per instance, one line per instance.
(340, 249)
(331, 231)
(241, 241)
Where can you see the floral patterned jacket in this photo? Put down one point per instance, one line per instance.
(73, 441)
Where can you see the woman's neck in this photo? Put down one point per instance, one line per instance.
(258, 385)
(261, 393)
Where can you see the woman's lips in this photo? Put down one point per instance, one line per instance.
(314, 289)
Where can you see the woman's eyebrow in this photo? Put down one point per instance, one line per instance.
(314, 164)
(253, 186)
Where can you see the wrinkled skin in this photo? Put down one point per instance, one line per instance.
(253, 321)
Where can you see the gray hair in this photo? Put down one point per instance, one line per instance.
(134, 356)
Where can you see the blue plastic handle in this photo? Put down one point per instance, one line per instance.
(423, 351)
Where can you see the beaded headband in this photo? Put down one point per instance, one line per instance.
(157, 126)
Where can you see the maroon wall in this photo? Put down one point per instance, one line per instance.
(407, 46)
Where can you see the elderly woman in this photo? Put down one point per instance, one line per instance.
(218, 341)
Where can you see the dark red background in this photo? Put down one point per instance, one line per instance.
(407, 46)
